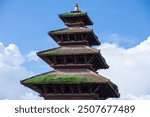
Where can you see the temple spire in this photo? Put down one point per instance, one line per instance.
(76, 9)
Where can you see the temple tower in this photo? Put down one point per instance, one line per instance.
(75, 63)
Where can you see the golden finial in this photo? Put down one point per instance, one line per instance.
(76, 9)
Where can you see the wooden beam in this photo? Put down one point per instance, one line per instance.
(85, 58)
(64, 59)
(68, 38)
(97, 89)
(45, 89)
(62, 88)
(54, 59)
(71, 89)
(93, 56)
(82, 36)
(86, 37)
(90, 88)
(70, 96)
(61, 38)
(79, 88)
(75, 37)
(54, 88)
(46, 59)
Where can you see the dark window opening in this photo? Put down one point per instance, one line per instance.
(81, 59)
(70, 60)
(79, 37)
(59, 59)
(72, 37)
(65, 38)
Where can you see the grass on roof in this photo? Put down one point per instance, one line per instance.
(55, 78)
(69, 14)
(59, 30)
(55, 51)
(66, 31)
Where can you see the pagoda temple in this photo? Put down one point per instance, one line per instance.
(75, 64)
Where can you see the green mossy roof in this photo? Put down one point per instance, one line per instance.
(69, 14)
(57, 78)
(67, 30)
(59, 30)
(52, 52)
(69, 51)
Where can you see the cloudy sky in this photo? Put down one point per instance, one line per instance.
(122, 26)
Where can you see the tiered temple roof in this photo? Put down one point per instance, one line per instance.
(76, 82)
(75, 63)
(76, 19)
(82, 56)
(75, 35)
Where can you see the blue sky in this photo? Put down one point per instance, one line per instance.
(25, 23)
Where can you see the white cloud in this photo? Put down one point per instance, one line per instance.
(10, 55)
(30, 96)
(127, 41)
(129, 68)
(32, 56)
(133, 97)
(11, 72)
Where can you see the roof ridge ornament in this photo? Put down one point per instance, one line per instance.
(76, 9)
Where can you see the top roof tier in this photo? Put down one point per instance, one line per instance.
(76, 18)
